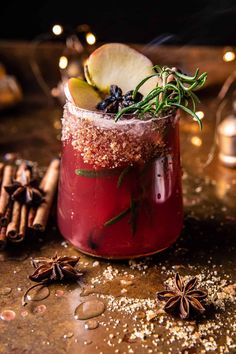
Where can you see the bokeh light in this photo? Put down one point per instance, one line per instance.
(229, 56)
(57, 30)
(90, 38)
(195, 140)
(63, 62)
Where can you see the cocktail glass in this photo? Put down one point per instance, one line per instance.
(120, 190)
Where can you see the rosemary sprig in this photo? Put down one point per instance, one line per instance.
(104, 173)
(132, 210)
(173, 90)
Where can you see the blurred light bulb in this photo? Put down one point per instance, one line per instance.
(200, 115)
(229, 56)
(63, 62)
(195, 140)
(90, 38)
(57, 30)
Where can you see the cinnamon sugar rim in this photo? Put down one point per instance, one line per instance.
(109, 117)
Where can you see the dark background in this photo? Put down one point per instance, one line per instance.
(197, 22)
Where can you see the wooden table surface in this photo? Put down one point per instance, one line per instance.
(206, 248)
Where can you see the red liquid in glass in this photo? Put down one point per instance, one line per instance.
(86, 205)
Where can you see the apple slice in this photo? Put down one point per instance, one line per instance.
(81, 94)
(118, 64)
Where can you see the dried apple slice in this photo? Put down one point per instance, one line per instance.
(118, 64)
(81, 94)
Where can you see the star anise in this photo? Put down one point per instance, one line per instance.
(26, 191)
(53, 269)
(184, 298)
(116, 101)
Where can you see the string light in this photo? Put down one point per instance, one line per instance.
(71, 61)
(63, 62)
(229, 56)
(57, 30)
(90, 38)
(195, 140)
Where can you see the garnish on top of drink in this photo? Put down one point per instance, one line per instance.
(120, 182)
(131, 84)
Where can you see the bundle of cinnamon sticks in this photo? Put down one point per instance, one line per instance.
(25, 204)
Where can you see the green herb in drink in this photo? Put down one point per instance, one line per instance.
(173, 90)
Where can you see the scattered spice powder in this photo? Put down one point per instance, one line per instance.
(188, 336)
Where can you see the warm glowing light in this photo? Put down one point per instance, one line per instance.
(57, 30)
(90, 38)
(200, 115)
(229, 130)
(57, 124)
(229, 56)
(196, 141)
(63, 62)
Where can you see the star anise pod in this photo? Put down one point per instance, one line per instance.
(116, 100)
(183, 298)
(128, 98)
(26, 191)
(53, 269)
(111, 103)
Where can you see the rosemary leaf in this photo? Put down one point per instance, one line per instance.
(141, 84)
(158, 109)
(133, 215)
(195, 97)
(193, 101)
(193, 114)
(96, 173)
(187, 78)
(124, 111)
(118, 217)
(123, 175)
(157, 68)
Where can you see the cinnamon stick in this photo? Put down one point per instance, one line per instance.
(49, 186)
(8, 174)
(13, 227)
(31, 216)
(32, 211)
(23, 224)
(3, 237)
(7, 216)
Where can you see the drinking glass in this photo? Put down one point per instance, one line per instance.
(120, 190)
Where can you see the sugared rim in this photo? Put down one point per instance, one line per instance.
(109, 117)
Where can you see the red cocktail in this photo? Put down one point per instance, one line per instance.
(120, 183)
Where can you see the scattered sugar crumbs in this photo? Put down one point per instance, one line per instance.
(152, 327)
